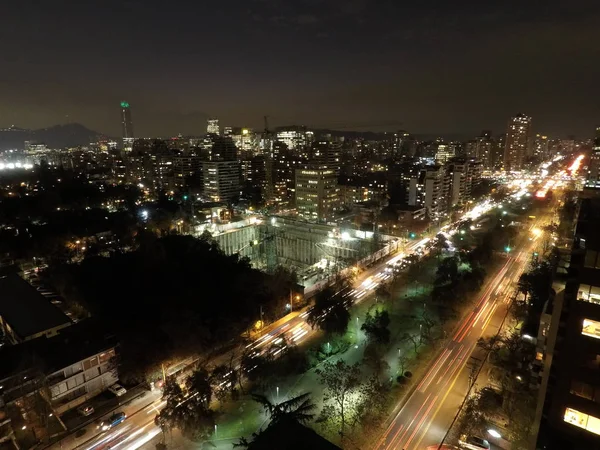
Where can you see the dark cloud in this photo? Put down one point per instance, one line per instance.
(306, 19)
(457, 66)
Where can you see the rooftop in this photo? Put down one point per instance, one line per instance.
(76, 343)
(25, 310)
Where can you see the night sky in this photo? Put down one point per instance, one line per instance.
(434, 66)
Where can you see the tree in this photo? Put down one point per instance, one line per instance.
(329, 313)
(440, 245)
(171, 416)
(524, 285)
(415, 339)
(426, 323)
(299, 408)
(188, 413)
(374, 358)
(382, 293)
(341, 383)
(376, 328)
(224, 378)
(198, 384)
(402, 363)
(447, 271)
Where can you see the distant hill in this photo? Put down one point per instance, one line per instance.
(58, 136)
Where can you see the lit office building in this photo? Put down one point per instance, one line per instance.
(316, 193)
(221, 180)
(296, 138)
(212, 126)
(444, 152)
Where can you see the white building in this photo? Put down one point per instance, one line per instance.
(212, 126)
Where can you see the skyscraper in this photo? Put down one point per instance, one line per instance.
(316, 193)
(593, 175)
(126, 122)
(517, 142)
(540, 146)
(212, 126)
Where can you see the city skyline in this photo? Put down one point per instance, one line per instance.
(334, 65)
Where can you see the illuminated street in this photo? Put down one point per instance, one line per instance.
(424, 419)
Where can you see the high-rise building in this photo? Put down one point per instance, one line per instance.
(212, 126)
(126, 122)
(430, 190)
(220, 180)
(484, 149)
(327, 153)
(245, 139)
(316, 193)
(593, 174)
(222, 149)
(568, 345)
(127, 126)
(463, 175)
(516, 147)
(444, 152)
(540, 147)
(298, 139)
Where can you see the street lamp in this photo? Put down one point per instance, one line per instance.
(493, 433)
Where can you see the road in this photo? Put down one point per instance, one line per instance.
(425, 417)
(139, 428)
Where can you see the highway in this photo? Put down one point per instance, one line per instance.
(427, 414)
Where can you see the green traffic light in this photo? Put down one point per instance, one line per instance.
(507, 249)
(185, 197)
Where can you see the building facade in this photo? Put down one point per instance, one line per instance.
(516, 148)
(316, 193)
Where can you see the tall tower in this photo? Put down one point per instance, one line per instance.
(126, 122)
(517, 142)
(127, 126)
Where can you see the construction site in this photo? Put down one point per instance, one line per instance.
(315, 252)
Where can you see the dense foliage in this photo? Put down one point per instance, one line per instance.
(174, 296)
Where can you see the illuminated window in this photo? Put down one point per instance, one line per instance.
(589, 293)
(591, 328)
(582, 420)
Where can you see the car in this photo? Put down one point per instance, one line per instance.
(473, 443)
(112, 421)
(85, 410)
(117, 389)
